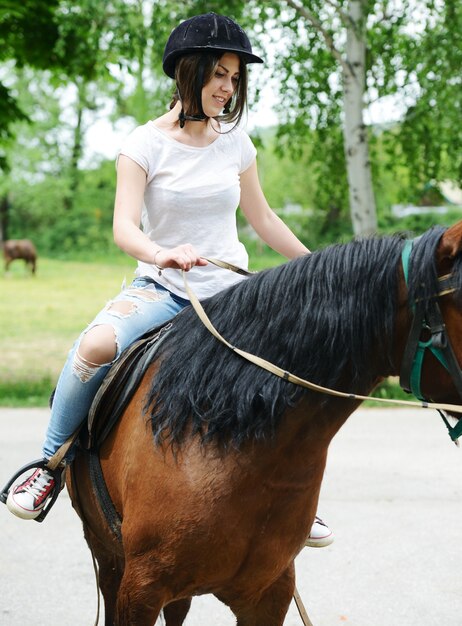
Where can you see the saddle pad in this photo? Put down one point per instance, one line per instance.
(119, 386)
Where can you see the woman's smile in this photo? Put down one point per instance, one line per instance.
(218, 91)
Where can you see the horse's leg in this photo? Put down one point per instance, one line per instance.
(175, 613)
(108, 556)
(110, 575)
(140, 599)
(271, 607)
(110, 572)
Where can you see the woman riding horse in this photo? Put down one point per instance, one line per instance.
(182, 176)
(222, 460)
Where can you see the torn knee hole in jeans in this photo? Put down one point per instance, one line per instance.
(83, 369)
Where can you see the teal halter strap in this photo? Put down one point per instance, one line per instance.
(405, 256)
(420, 346)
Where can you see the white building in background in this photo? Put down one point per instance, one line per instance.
(451, 195)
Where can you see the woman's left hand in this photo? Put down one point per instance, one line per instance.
(182, 257)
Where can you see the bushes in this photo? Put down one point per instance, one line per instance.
(38, 211)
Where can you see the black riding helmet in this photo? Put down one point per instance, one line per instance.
(205, 33)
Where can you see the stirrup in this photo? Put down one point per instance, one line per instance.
(38, 464)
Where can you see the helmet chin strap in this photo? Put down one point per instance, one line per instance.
(201, 117)
(190, 118)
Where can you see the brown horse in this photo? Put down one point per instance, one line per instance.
(20, 249)
(216, 465)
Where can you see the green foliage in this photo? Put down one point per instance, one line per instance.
(25, 393)
(38, 211)
(388, 389)
(9, 112)
(27, 35)
(28, 31)
(305, 179)
(431, 134)
(418, 223)
(111, 54)
(9, 109)
(413, 56)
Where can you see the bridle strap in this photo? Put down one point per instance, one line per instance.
(427, 317)
(406, 380)
(446, 352)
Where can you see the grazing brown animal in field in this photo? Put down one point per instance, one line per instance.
(20, 249)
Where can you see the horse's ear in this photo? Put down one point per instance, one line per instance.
(450, 244)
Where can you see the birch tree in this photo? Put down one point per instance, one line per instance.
(341, 56)
(353, 69)
(342, 29)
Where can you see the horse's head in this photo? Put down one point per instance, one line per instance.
(431, 365)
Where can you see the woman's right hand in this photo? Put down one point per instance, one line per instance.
(182, 257)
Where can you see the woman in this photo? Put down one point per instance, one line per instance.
(182, 177)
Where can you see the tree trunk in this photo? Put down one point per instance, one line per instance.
(77, 147)
(4, 217)
(361, 194)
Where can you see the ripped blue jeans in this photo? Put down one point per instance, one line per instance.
(78, 383)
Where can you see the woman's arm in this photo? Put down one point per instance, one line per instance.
(131, 183)
(264, 220)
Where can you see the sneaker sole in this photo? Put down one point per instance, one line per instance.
(19, 511)
(319, 543)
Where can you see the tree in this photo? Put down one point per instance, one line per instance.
(27, 34)
(334, 59)
(430, 137)
(337, 57)
(351, 62)
(83, 41)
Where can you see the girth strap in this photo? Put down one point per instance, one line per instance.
(102, 494)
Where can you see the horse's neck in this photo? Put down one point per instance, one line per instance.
(303, 438)
(403, 320)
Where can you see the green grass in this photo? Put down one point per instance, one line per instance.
(41, 316)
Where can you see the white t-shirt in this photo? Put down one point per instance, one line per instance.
(191, 196)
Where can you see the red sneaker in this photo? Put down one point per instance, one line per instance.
(28, 499)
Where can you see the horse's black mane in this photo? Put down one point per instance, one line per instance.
(328, 316)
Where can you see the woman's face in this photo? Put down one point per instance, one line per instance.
(217, 92)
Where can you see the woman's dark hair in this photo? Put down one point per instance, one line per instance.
(186, 70)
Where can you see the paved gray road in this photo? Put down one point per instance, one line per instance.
(392, 493)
